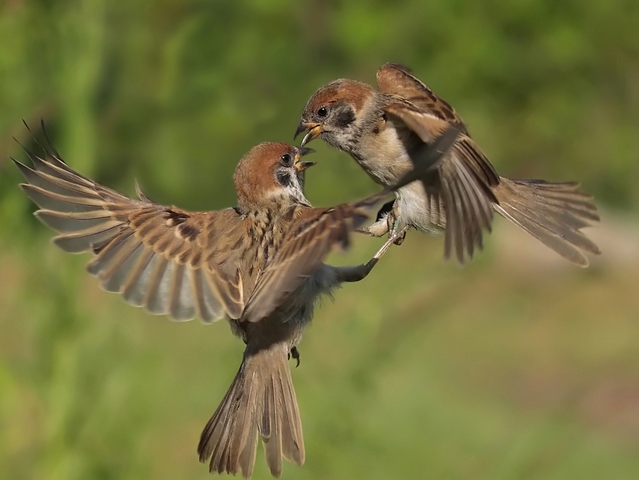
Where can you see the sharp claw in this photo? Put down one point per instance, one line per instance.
(400, 239)
(295, 354)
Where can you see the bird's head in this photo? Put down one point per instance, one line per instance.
(271, 172)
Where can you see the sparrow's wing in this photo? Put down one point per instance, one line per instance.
(312, 235)
(464, 178)
(160, 258)
(397, 79)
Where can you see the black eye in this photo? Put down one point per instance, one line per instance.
(286, 160)
(322, 112)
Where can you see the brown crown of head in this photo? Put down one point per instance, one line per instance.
(342, 90)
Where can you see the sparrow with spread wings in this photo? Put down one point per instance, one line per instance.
(386, 130)
(259, 265)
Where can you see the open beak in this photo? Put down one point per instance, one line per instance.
(313, 129)
(299, 165)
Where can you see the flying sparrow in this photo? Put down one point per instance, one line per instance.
(259, 265)
(385, 130)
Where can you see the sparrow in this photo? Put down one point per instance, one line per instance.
(259, 265)
(386, 130)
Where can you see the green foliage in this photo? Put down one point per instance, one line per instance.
(424, 371)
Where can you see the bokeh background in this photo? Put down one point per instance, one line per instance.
(517, 366)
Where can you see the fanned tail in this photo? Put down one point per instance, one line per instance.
(261, 400)
(554, 213)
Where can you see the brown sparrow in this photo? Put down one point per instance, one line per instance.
(259, 265)
(386, 130)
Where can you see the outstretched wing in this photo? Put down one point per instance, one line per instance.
(397, 79)
(157, 257)
(465, 177)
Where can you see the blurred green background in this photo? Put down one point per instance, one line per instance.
(518, 366)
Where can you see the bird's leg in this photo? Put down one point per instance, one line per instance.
(360, 272)
(397, 235)
(389, 215)
(355, 273)
(294, 352)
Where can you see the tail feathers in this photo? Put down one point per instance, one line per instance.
(554, 213)
(261, 400)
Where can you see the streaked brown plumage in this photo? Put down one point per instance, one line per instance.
(259, 265)
(386, 130)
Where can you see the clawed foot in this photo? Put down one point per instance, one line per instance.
(387, 222)
(399, 237)
(396, 235)
(377, 229)
(383, 223)
(293, 352)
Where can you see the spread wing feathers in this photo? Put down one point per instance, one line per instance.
(554, 213)
(467, 200)
(310, 238)
(396, 79)
(464, 182)
(156, 257)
